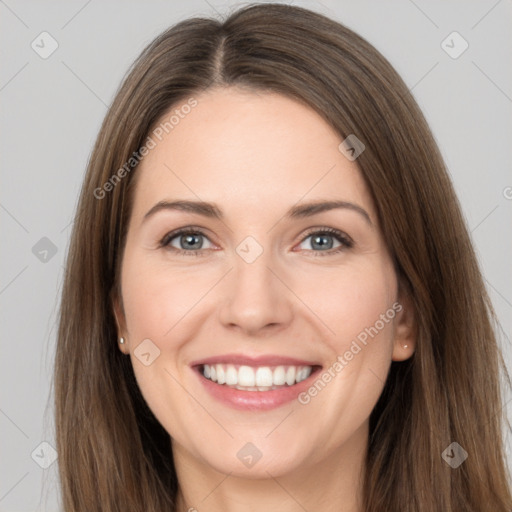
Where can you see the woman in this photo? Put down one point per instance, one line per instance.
(271, 299)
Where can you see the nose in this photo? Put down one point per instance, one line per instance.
(256, 300)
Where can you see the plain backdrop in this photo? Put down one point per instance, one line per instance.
(51, 110)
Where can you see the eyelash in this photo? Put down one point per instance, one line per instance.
(345, 241)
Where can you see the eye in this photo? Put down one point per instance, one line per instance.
(192, 241)
(327, 240)
(186, 241)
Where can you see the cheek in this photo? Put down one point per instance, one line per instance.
(160, 304)
(156, 301)
(156, 298)
(366, 315)
(356, 305)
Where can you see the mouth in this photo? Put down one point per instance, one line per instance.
(255, 383)
(260, 378)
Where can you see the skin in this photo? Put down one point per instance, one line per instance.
(255, 155)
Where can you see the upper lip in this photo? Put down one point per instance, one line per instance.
(262, 360)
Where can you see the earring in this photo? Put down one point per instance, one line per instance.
(405, 346)
(121, 340)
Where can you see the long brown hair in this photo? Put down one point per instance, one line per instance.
(113, 453)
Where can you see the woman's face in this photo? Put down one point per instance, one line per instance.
(271, 284)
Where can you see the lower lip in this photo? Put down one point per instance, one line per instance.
(254, 400)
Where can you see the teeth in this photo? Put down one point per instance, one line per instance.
(246, 376)
(262, 378)
(302, 374)
(290, 375)
(231, 375)
(279, 376)
(221, 374)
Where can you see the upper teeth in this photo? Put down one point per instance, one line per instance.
(259, 377)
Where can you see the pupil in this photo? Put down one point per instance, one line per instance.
(191, 242)
(322, 241)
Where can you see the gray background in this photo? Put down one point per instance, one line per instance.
(51, 110)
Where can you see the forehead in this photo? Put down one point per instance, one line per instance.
(247, 149)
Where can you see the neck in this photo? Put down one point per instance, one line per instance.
(331, 484)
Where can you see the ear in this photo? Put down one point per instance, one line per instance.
(118, 310)
(404, 343)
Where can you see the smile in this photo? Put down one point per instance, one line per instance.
(261, 378)
(256, 383)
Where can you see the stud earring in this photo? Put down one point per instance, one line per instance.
(405, 346)
(121, 340)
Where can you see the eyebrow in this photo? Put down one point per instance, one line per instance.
(299, 211)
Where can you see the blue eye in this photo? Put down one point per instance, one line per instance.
(186, 241)
(191, 242)
(328, 241)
